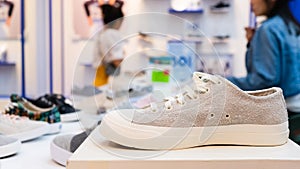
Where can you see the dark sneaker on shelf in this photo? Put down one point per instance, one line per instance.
(22, 107)
(220, 7)
(8, 146)
(67, 111)
(41, 102)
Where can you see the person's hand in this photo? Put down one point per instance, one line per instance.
(249, 33)
(8, 21)
(111, 2)
(90, 21)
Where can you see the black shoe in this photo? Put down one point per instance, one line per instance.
(67, 111)
(41, 102)
(220, 7)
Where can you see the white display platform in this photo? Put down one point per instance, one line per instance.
(106, 155)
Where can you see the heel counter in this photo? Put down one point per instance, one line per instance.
(283, 108)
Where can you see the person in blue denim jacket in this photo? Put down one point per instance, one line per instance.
(273, 54)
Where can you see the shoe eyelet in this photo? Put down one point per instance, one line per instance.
(212, 115)
(227, 116)
(219, 82)
(195, 97)
(169, 108)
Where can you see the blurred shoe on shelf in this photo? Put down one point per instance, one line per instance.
(67, 111)
(220, 7)
(21, 127)
(3, 54)
(86, 91)
(41, 102)
(63, 146)
(218, 39)
(9, 146)
(128, 85)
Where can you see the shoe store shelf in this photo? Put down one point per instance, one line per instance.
(199, 11)
(7, 64)
(87, 64)
(105, 154)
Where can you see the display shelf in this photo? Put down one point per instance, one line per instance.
(219, 41)
(86, 64)
(198, 11)
(109, 155)
(7, 64)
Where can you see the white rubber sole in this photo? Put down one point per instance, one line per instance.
(59, 154)
(10, 149)
(31, 134)
(54, 128)
(69, 117)
(122, 131)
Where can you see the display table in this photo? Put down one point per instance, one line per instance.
(96, 152)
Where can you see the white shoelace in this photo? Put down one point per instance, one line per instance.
(190, 93)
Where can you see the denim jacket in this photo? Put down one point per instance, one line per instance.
(273, 58)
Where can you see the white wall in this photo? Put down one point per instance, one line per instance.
(211, 24)
(36, 47)
(58, 46)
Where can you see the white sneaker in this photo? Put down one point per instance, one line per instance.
(21, 127)
(214, 111)
(8, 146)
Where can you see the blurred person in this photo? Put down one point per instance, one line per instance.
(109, 49)
(273, 55)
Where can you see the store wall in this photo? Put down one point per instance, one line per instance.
(231, 23)
(58, 46)
(10, 76)
(37, 70)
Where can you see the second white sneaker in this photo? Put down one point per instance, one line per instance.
(21, 127)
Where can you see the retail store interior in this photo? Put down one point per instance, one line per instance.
(149, 84)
